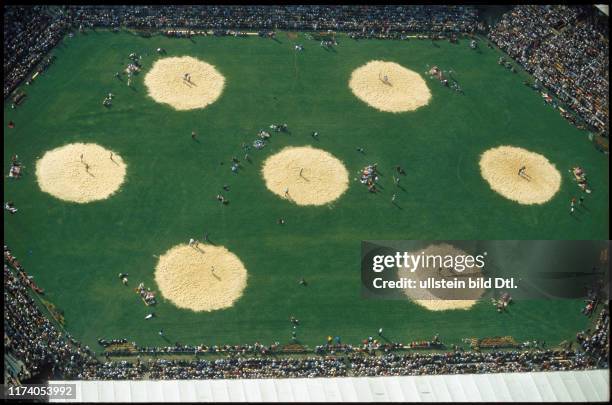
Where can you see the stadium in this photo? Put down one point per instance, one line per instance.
(188, 190)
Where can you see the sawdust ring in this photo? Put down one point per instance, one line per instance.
(500, 166)
(185, 277)
(429, 298)
(404, 89)
(166, 84)
(312, 176)
(62, 173)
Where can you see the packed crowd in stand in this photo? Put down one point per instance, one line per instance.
(597, 343)
(33, 341)
(459, 362)
(381, 19)
(30, 32)
(565, 51)
(264, 367)
(392, 364)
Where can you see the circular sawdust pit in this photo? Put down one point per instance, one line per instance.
(200, 278)
(538, 183)
(388, 86)
(305, 175)
(80, 172)
(166, 83)
(451, 298)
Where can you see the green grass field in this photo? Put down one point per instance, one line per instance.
(76, 251)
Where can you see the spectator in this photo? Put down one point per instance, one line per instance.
(565, 53)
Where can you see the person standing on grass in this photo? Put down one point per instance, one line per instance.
(193, 135)
(572, 203)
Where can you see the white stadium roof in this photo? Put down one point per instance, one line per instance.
(558, 386)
